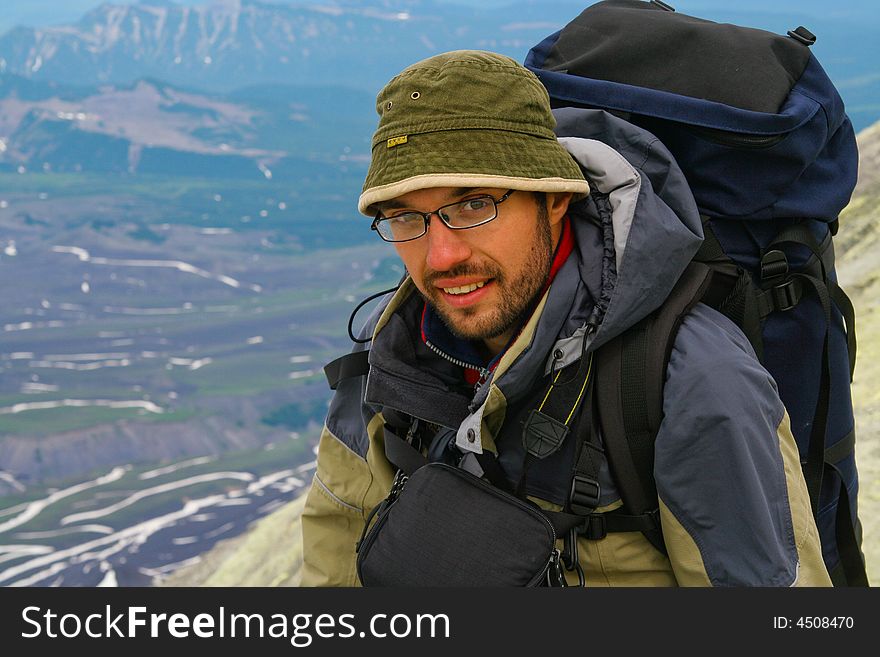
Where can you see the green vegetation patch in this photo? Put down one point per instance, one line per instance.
(246, 374)
(296, 415)
(44, 422)
(144, 234)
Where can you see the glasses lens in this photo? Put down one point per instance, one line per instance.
(470, 212)
(401, 227)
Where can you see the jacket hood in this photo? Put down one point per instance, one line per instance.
(655, 227)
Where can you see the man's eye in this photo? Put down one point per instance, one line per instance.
(408, 218)
(474, 205)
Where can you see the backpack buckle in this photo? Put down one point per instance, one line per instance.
(785, 296)
(773, 265)
(584, 496)
(595, 528)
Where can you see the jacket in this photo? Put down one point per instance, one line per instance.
(733, 504)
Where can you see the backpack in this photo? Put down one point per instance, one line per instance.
(761, 135)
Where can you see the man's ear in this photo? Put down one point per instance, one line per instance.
(557, 206)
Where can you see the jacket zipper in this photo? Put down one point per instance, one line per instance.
(484, 373)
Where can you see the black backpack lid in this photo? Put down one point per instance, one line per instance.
(638, 43)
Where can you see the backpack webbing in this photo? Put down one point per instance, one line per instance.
(630, 371)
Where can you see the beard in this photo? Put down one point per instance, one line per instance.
(518, 294)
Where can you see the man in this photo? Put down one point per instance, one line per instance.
(523, 257)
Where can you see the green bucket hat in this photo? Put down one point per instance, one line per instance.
(466, 118)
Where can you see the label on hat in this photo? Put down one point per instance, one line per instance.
(396, 141)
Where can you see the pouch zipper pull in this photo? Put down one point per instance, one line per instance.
(555, 577)
(397, 485)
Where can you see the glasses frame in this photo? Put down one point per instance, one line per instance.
(426, 216)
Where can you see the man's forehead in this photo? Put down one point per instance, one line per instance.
(437, 193)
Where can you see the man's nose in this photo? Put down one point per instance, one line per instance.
(446, 247)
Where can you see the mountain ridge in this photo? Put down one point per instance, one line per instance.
(220, 47)
(224, 45)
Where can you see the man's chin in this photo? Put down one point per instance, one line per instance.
(469, 324)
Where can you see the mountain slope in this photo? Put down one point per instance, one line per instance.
(859, 273)
(270, 554)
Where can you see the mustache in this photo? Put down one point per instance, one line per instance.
(464, 269)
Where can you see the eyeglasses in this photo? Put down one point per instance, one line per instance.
(411, 225)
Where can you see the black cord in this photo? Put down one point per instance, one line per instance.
(361, 305)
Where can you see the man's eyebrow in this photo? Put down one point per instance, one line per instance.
(394, 204)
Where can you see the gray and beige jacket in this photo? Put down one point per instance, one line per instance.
(733, 504)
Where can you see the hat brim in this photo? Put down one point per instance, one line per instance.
(469, 158)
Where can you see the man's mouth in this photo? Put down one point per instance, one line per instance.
(463, 289)
(463, 293)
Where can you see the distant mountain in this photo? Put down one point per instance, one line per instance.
(361, 44)
(153, 127)
(243, 42)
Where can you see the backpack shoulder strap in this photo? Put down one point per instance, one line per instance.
(348, 366)
(630, 373)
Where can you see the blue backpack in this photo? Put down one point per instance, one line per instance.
(762, 137)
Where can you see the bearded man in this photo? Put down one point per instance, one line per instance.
(524, 256)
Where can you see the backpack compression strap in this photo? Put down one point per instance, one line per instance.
(630, 371)
(734, 293)
(822, 459)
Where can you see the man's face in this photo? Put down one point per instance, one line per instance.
(482, 280)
